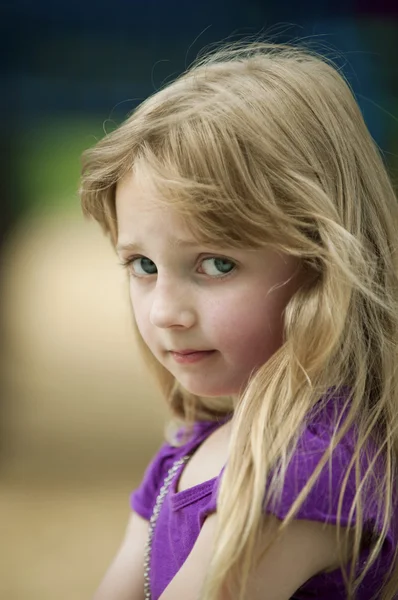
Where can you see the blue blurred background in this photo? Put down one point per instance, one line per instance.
(79, 417)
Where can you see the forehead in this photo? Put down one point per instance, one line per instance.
(141, 211)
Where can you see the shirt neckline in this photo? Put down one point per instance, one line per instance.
(190, 494)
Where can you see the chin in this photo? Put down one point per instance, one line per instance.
(206, 390)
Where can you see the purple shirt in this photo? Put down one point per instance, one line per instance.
(182, 514)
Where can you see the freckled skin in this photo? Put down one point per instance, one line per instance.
(188, 304)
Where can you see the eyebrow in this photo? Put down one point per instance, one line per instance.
(133, 246)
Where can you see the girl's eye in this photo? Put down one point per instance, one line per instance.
(213, 266)
(143, 266)
(216, 267)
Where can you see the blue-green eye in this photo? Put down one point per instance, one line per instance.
(216, 266)
(143, 266)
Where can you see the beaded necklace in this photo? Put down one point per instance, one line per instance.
(152, 523)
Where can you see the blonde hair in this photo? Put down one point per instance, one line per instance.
(264, 144)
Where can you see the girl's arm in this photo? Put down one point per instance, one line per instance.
(305, 549)
(124, 579)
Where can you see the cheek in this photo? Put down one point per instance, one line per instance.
(141, 314)
(248, 324)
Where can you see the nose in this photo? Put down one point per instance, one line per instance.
(171, 307)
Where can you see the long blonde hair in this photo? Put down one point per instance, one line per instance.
(260, 144)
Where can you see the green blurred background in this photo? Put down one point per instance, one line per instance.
(80, 418)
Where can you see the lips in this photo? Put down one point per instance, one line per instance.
(188, 351)
(190, 356)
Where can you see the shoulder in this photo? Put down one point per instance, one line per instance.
(337, 477)
(351, 474)
(144, 497)
(336, 481)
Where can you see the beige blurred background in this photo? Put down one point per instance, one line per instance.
(80, 419)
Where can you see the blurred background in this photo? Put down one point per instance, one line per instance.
(79, 416)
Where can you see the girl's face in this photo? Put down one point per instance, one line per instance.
(211, 315)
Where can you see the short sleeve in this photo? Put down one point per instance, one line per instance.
(322, 502)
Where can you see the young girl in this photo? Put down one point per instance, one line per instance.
(258, 228)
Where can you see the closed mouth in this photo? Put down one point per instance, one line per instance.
(190, 351)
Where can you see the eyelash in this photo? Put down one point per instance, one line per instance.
(128, 262)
